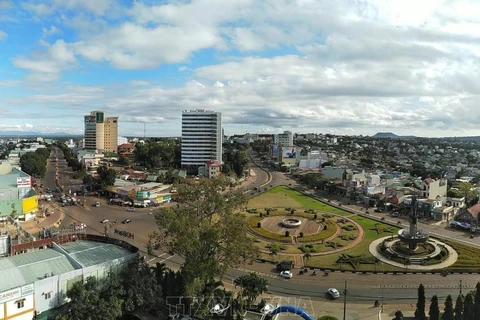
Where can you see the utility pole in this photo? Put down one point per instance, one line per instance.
(345, 291)
(460, 286)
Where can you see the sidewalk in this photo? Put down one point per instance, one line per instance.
(34, 226)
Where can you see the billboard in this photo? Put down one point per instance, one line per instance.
(289, 152)
(24, 182)
(29, 204)
(99, 117)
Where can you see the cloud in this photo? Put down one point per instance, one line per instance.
(50, 31)
(3, 35)
(48, 65)
(307, 65)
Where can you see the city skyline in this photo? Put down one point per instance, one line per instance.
(340, 67)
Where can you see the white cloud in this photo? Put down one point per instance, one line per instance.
(50, 31)
(336, 64)
(3, 35)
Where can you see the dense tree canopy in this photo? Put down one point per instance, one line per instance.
(35, 163)
(206, 230)
(158, 154)
(252, 286)
(235, 159)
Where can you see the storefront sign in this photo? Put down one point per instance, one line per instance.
(24, 182)
(27, 290)
(10, 295)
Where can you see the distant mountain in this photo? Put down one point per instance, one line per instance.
(385, 135)
(391, 135)
(21, 134)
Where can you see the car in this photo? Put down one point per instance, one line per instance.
(132, 209)
(97, 204)
(104, 221)
(126, 221)
(286, 274)
(333, 293)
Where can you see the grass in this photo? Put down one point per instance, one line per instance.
(468, 257)
(282, 196)
(253, 220)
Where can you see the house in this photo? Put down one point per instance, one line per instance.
(469, 215)
(433, 189)
(126, 149)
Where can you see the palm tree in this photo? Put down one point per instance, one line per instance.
(306, 257)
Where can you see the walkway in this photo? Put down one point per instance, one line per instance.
(452, 257)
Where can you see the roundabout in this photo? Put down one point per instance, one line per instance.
(302, 231)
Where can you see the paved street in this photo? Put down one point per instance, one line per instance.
(363, 289)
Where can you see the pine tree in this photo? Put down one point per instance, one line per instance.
(420, 311)
(468, 306)
(448, 311)
(434, 311)
(459, 308)
(476, 306)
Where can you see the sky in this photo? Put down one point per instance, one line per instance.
(345, 67)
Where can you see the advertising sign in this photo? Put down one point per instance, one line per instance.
(27, 290)
(143, 194)
(99, 117)
(289, 152)
(10, 295)
(24, 182)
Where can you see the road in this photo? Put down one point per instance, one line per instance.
(362, 288)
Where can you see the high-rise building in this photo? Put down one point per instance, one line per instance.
(284, 139)
(201, 137)
(101, 133)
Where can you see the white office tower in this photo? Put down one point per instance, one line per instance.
(201, 137)
(284, 139)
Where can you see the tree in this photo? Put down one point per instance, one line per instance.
(142, 291)
(327, 318)
(459, 308)
(274, 249)
(434, 311)
(306, 257)
(252, 286)
(206, 230)
(106, 176)
(467, 190)
(468, 307)
(103, 296)
(476, 306)
(420, 310)
(398, 315)
(448, 311)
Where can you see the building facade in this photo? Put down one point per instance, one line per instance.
(17, 196)
(284, 139)
(101, 133)
(201, 138)
(35, 282)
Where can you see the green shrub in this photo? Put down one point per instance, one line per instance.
(259, 224)
(287, 233)
(301, 234)
(328, 317)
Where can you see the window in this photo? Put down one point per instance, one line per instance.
(20, 304)
(48, 295)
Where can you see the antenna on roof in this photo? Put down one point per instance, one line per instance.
(144, 130)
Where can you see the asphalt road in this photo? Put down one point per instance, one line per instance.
(361, 288)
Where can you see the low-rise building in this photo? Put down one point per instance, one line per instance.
(17, 196)
(33, 283)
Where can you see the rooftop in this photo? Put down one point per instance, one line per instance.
(23, 269)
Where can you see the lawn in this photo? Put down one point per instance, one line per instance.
(282, 196)
(468, 258)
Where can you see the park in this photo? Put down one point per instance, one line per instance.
(288, 225)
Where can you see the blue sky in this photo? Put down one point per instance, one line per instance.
(333, 66)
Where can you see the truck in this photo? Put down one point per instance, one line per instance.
(285, 265)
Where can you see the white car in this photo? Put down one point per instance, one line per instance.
(286, 274)
(333, 293)
(104, 221)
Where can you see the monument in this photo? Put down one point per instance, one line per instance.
(413, 236)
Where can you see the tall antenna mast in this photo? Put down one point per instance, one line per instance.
(144, 130)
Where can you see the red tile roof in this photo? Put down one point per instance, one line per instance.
(474, 210)
(428, 180)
